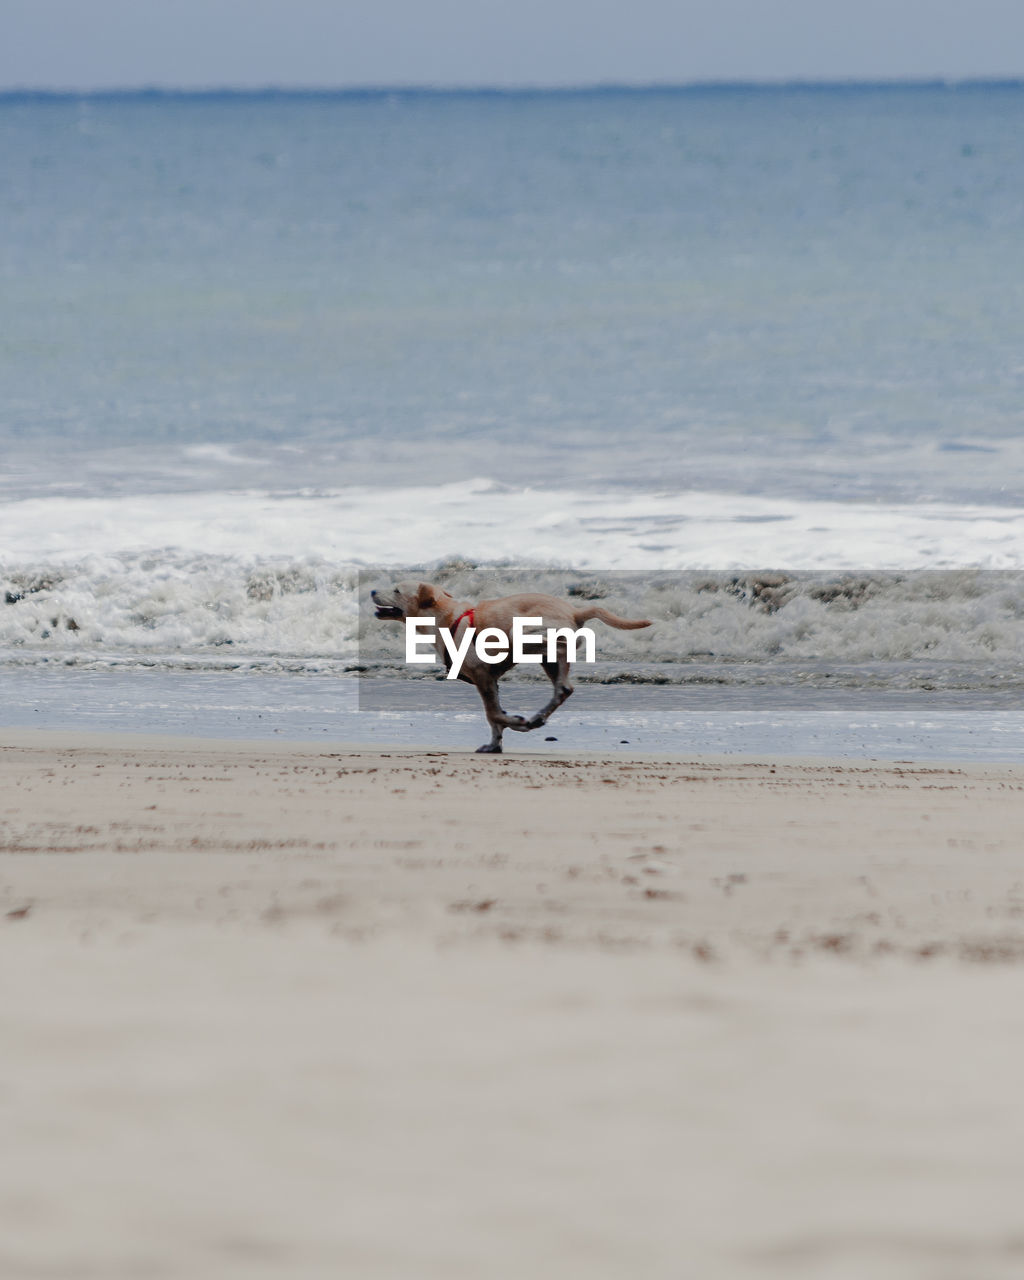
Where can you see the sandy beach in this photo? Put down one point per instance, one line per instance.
(307, 1011)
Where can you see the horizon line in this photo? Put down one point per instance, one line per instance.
(952, 83)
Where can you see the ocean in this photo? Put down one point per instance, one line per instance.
(671, 345)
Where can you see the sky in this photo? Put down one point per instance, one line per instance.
(102, 44)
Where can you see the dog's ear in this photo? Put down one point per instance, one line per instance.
(425, 596)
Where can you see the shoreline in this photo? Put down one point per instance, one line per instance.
(116, 742)
(984, 725)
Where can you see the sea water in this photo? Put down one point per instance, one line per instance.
(254, 345)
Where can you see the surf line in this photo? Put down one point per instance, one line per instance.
(492, 645)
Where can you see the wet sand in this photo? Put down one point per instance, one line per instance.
(303, 1011)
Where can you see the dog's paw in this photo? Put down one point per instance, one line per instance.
(518, 723)
(489, 749)
(535, 722)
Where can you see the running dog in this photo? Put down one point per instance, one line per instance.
(423, 600)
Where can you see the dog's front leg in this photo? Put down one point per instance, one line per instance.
(493, 747)
(558, 674)
(497, 718)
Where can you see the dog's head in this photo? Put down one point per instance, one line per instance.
(412, 600)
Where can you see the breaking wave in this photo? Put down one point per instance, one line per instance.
(308, 615)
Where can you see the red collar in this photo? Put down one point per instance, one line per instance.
(455, 625)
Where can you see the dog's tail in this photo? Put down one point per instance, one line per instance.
(602, 615)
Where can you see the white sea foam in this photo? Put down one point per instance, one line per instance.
(486, 522)
(272, 580)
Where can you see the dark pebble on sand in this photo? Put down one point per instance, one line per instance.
(550, 739)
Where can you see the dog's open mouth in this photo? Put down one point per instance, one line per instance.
(388, 612)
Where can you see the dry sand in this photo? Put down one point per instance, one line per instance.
(304, 1012)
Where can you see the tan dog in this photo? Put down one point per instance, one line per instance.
(422, 600)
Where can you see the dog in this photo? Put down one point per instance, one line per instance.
(424, 600)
